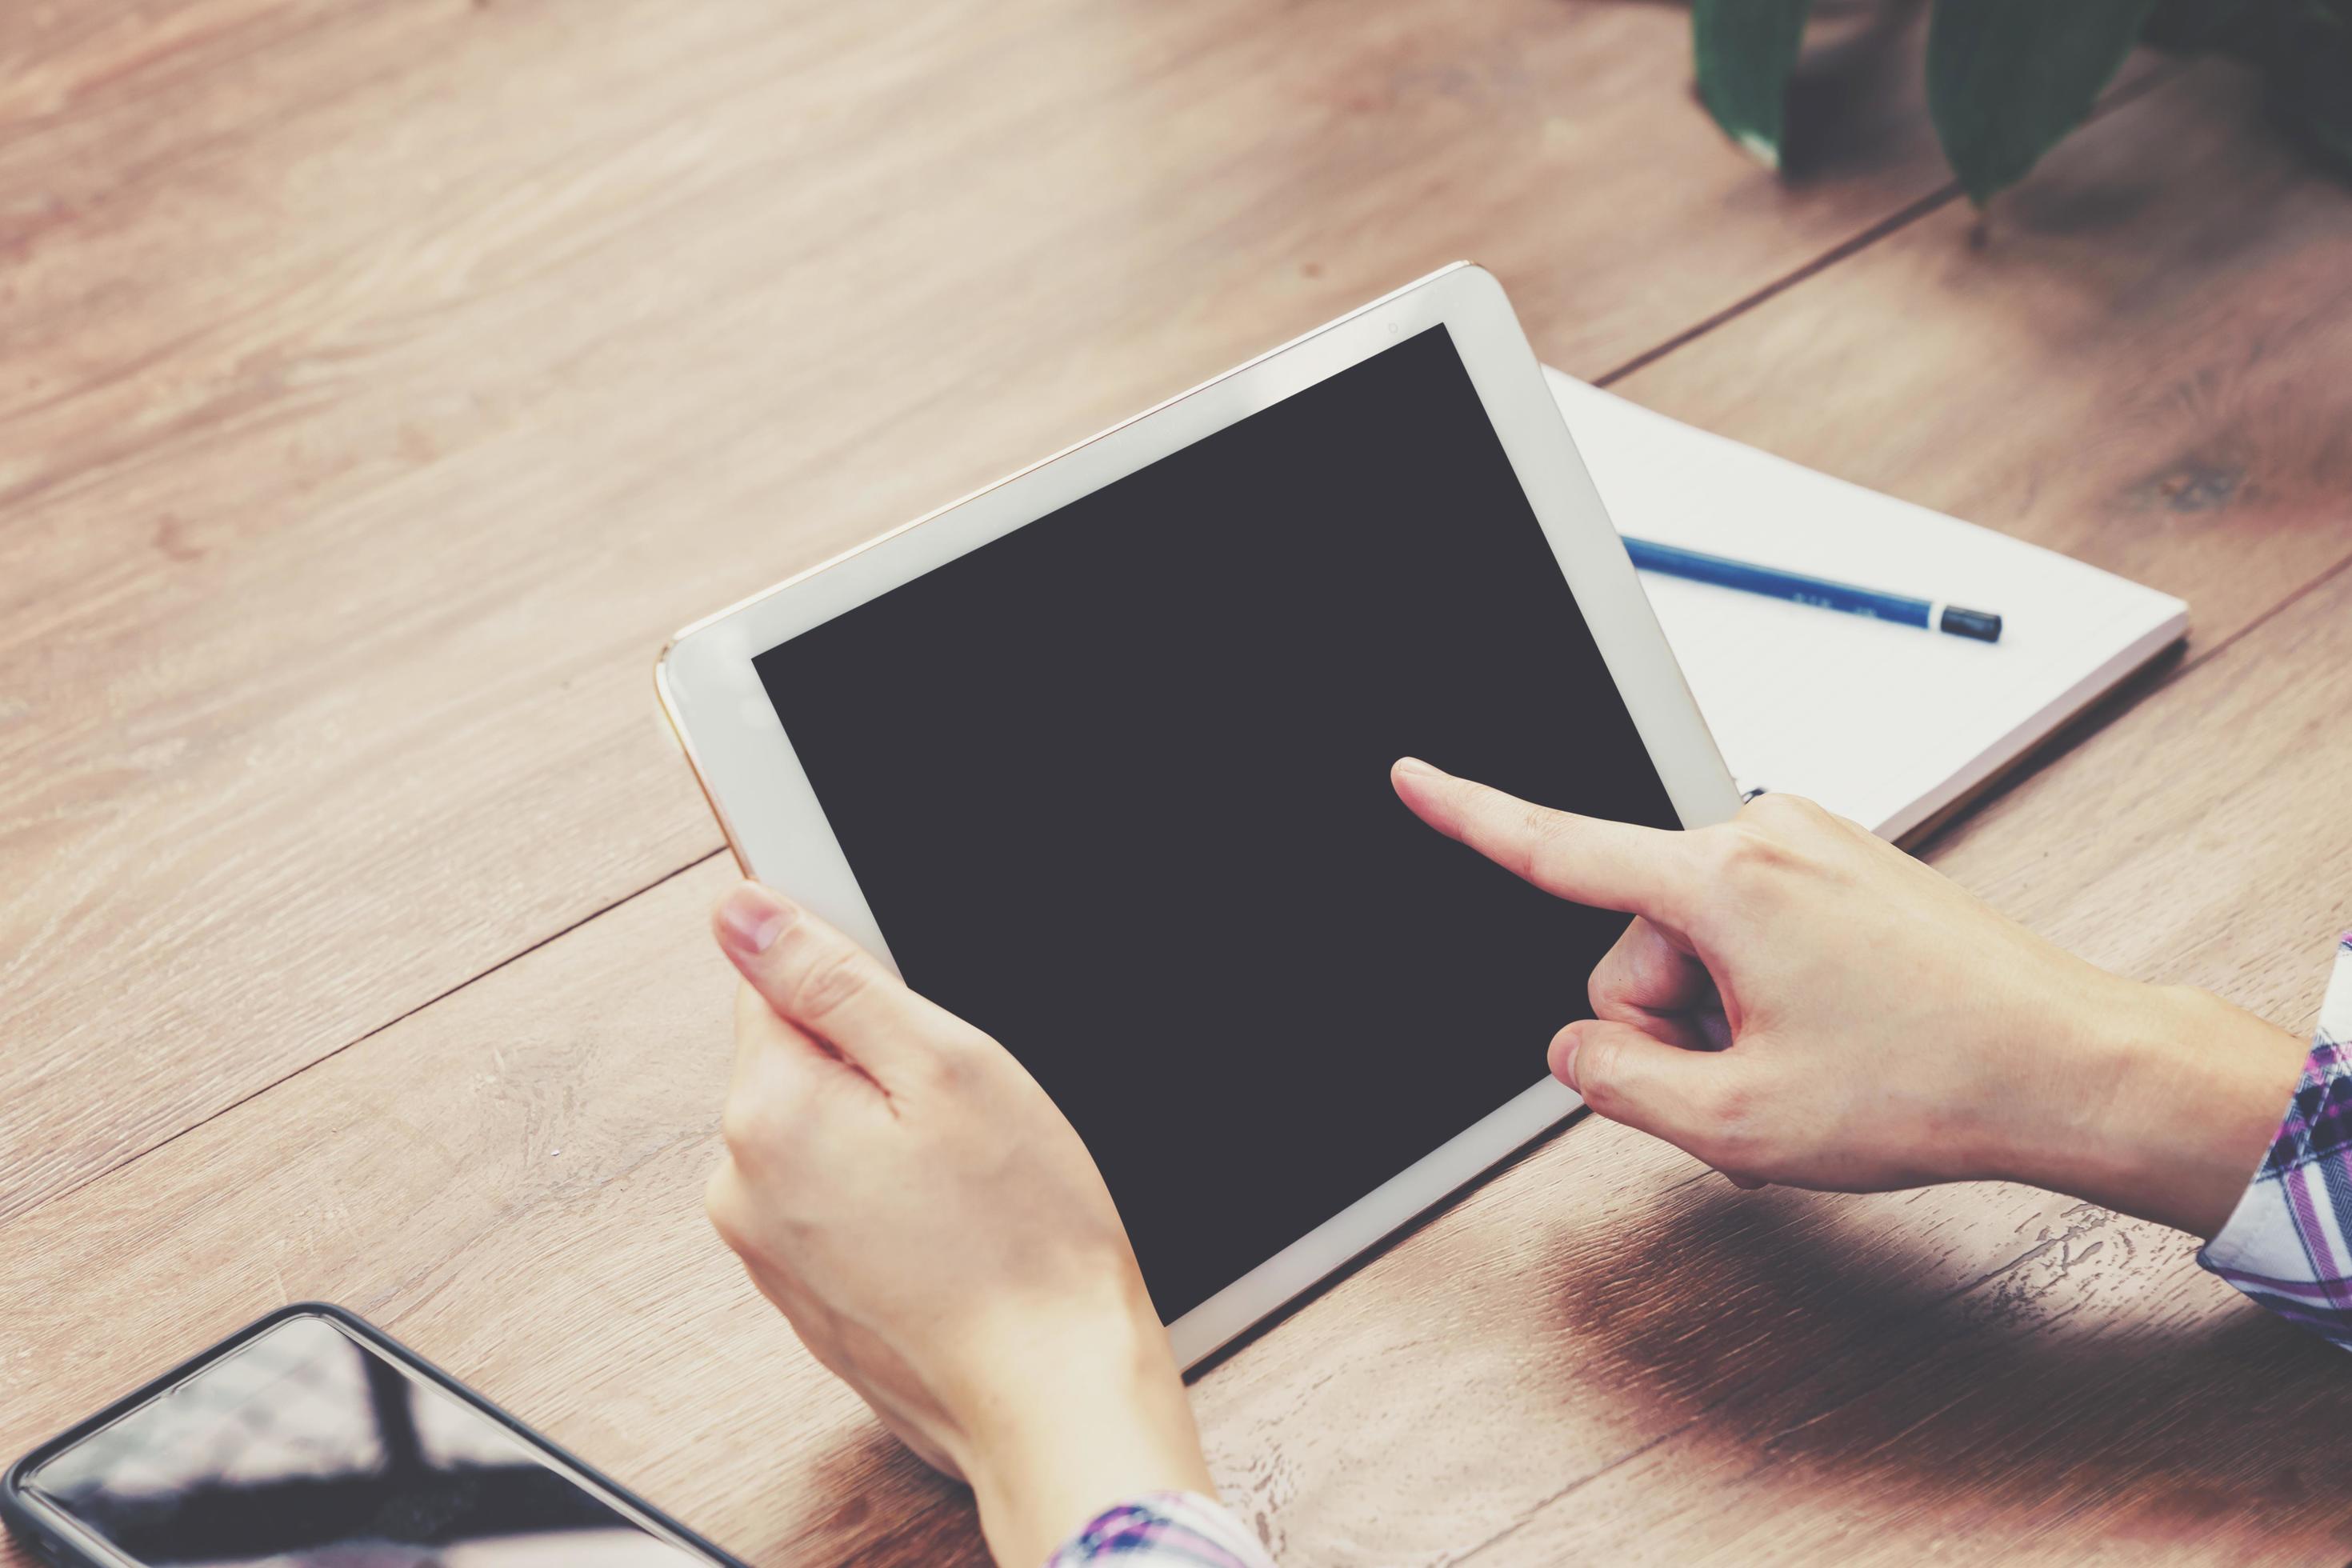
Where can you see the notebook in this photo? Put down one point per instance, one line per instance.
(1883, 723)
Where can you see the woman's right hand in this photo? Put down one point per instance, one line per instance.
(1801, 1002)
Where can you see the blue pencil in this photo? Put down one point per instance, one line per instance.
(1773, 583)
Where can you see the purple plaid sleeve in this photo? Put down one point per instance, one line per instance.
(2288, 1244)
(1163, 1530)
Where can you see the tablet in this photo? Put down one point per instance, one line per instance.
(1098, 758)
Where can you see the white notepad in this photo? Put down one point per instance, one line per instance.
(1883, 723)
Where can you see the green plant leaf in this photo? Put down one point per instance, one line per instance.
(2190, 26)
(2311, 77)
(1746, 50)
(2007, 78)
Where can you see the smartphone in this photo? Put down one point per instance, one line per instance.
(311, 1440)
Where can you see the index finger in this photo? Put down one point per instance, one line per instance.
(1585, 859)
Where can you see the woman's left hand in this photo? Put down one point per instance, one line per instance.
(909, 1198)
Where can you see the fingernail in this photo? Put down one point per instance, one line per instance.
(1415, 765)
(748, 919)
(1565, 1068)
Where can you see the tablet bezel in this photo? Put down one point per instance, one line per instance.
(779, 833)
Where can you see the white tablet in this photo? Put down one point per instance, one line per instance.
(1099, 758)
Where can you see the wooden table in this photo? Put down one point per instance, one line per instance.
(385, 382)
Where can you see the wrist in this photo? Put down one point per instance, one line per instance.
(1075, 1418)
(2175, 1098)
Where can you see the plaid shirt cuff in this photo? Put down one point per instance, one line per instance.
(2288, 1244)
(1163, 1530)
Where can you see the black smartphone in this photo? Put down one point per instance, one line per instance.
(311, 1439)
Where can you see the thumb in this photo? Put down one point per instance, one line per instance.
(817, 980)
(1682, 1096)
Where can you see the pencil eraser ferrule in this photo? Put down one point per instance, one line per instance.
(1981, 625)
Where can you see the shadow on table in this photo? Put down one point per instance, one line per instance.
(886, 1507)
(2095, 1367)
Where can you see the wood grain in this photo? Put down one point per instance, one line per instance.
(466, 448)
(2137, 358)
(509, 1180)
(385, 383)
(2095, 1387)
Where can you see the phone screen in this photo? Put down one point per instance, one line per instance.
(307, 1447)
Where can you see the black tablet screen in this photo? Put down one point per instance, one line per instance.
(1115, 787)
